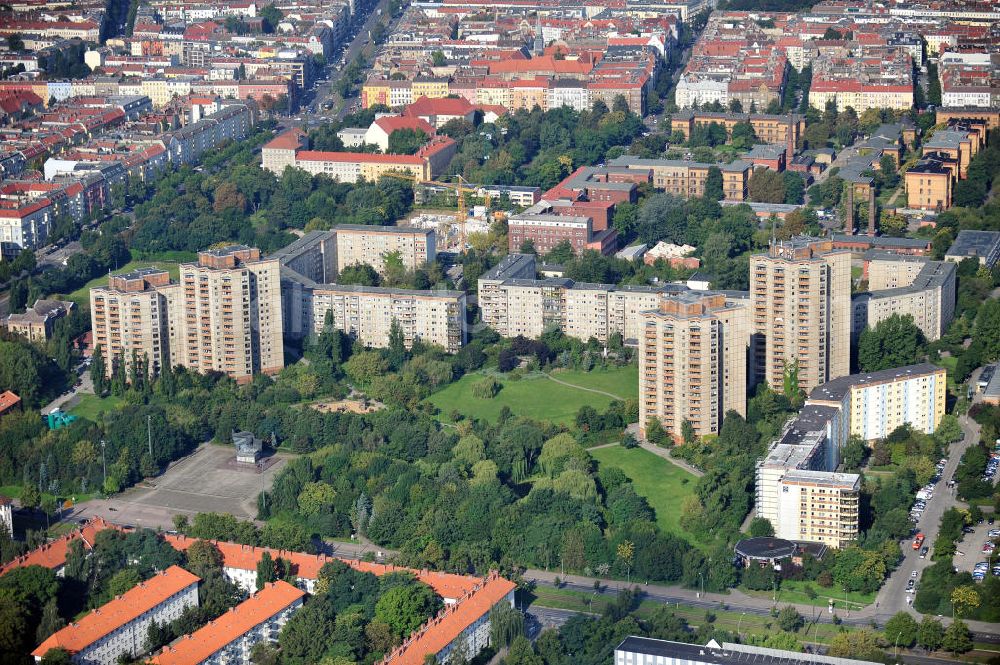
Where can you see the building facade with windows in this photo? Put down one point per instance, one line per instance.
(120, 627)
(692, 361)
(229, 639)
(800, 300)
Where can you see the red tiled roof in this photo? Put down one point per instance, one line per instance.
(307, 566)
(8, 400)
(216, 634)
(443, 106)
(390, 124)
(443, 629)
(53, 555)
(125, 608)
(290, 140)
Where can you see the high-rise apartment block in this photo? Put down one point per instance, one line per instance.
(906, 285)
(692, 361)
(800, 299)
(232, 313)
(224, 315)
(130, 317)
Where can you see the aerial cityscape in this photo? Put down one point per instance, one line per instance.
(533, 332)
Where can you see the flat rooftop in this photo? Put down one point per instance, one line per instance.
(974, 243)
(366, 228)
(725, 654)
(836, 389)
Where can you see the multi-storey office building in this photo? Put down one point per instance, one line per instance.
(800, 299)
(229, 639)
(232, 313)
(907, 285)
(692, 361)
(120, 627)
(818, 506)
(800, 462)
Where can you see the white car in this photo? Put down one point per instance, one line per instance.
(913, 573)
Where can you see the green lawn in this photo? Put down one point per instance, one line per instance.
(792, 591)
(663, 484)
(91, 406)
(537, 396)
(545, 596)
(620, 381)
(82, 295)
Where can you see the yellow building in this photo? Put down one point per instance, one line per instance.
(879, 402)
(929, 184)
(431, 87)
(692, 361)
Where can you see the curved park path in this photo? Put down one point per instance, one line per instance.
(589, 390)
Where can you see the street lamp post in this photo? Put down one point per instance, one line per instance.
(104, 461)
(895, 645)
(739, 623)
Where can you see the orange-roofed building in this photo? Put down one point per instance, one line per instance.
(239, 563)
(437, 112)
(53, 555)
(466, 623)
(120, 627)
(230, 637)
(9, 401)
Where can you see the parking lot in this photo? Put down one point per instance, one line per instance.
(972, 547)
(208, 480)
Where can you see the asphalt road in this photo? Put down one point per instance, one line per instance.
(892, 597)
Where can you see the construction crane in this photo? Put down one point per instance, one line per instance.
(461, 188)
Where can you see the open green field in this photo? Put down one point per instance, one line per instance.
(536, 396)
(663, 484)
(793, 591)
(620, 381)
(82, 295)
(92, 406)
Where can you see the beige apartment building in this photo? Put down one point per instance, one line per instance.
(231, 313)
(876, 403)
(513, 302)
(360, 243)
(800, 299)
(819, 507)
(692, 361)
(688, 179)
(367, 314)
(906, 285)
(130, 317)
(37, 323)
(224, 315)
(308, 296)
